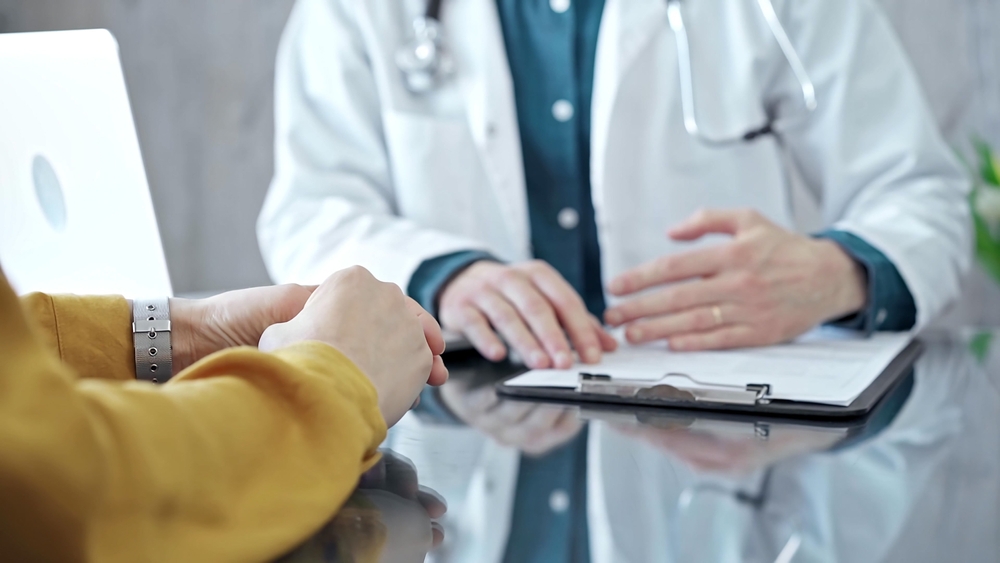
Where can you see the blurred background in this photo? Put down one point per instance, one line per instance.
(200, 75)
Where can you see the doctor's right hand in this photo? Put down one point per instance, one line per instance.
(390, 338)
(530, 306)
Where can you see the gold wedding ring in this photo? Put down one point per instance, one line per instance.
(717, 313)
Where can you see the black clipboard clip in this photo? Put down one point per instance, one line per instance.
(601, 384)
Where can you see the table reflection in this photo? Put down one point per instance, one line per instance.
(917, 481)
(388, 518)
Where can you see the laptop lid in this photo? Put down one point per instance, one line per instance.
(75, 210)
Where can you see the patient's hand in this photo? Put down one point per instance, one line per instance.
(202, 327)
(390, 338)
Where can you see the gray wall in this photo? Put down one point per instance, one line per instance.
(200, 74)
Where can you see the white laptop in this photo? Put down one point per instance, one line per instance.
(75, 210)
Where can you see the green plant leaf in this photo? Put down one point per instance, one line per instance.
(987, 249)
(980, 345)
(989, 170)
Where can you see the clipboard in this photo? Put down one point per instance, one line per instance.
(752, 399)
(853, 430)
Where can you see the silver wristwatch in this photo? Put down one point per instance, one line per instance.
(151, 336)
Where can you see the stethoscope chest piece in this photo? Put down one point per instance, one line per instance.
(425, 61)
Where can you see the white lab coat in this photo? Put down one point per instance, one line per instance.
(367, 173)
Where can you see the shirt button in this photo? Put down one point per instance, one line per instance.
(559, 6)
(559, 501)
(568, 218)
(880, 317)
(562, 111)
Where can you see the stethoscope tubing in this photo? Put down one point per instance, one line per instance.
(675, 18)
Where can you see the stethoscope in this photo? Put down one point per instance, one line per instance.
(426, 63)
(708, 492)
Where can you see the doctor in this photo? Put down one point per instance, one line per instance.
(531, 184)
(561, 135)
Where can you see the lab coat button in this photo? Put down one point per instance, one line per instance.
(568, 218)
(559, 501)
(562, 111)
(559, 6)
(880, 317)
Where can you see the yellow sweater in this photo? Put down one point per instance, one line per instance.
(239, 458)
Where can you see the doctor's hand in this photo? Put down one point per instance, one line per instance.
(530, 306)
(765, 286)
(390, 338)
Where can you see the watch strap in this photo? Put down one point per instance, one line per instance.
(151, 337)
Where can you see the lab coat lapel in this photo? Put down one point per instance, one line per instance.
(627, 26)
(477, 41)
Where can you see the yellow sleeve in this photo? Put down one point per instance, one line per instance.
(69, 326)
(238, 458)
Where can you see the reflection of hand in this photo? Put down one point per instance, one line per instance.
(730, 453)
(386, 334)
(767, 285)
(202, 327)
(397, 475)
(373, 525)
(700, 451)
(389, 518)
(531, 306)
(533, 428)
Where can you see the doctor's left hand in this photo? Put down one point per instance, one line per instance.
(765, 286)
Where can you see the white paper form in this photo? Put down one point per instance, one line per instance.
(827, 366)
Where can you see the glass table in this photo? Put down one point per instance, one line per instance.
(918, 481)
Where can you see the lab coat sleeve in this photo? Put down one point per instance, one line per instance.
(872, 151)
(890, 305)
(331, 204)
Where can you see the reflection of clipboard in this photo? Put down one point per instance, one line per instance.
(752, 398)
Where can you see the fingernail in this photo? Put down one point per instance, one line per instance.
(613, 317)
(617, 286)
(538, 359)
(591, 355)
(496, 353)
(564, 359)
